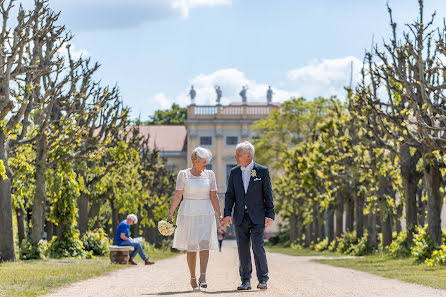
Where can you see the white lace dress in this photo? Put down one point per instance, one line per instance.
(196, 222)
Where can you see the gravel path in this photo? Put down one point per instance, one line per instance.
(289, 276)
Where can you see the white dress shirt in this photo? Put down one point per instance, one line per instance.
(246, 175)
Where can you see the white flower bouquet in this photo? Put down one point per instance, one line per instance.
(165, 228)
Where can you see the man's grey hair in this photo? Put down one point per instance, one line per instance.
(246, 147)
(132, 217)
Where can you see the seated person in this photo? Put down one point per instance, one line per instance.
(123, 239)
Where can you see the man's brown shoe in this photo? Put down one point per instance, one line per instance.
(148, 262)
(131, 262)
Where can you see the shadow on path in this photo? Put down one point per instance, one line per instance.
(203, 291)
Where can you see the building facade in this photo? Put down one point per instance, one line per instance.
(215, 127)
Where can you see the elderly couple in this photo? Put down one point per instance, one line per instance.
(249, 204)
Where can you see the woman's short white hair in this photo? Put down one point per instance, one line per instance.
(132, 217)
(201, 153)
(246, 147)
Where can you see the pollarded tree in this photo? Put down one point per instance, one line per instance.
(413, 113)
(18, 63)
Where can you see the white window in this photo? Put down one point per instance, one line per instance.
(206, 140)
(231, 140)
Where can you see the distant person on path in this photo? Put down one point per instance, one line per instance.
(196, 230)
(249, 197)
(221, 233)
(123, 239)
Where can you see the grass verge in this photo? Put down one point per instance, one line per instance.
(298, 252)
(404, 269)
(32, 278)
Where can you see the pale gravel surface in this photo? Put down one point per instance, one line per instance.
(289, 276)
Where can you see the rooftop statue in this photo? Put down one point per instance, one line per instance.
(243, 94)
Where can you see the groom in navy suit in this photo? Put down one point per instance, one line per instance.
(249, 204)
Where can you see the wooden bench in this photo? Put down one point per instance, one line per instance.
(120, 254)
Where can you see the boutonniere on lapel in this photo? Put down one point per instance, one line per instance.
(253, 173)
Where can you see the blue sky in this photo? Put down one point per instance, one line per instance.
(155, 49)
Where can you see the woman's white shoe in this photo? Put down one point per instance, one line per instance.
(197, 288)
(203, 285)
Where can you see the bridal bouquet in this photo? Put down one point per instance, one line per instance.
(165, 228)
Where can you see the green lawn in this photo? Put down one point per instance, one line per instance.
(298, 252)
(405, 269)
(32, 278)
(402, 269)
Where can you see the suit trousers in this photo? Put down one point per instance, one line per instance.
(248, 233)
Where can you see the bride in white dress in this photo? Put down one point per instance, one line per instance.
(196, 230)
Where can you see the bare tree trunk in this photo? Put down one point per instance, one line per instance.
(7, 252)
(359, 211)
(410, 179)
(39, 205)
(384, 211)
(399, 214)
(316, 226)
(433, 180)
(82, 219)
(330, 222)
(322, 218)
(94, 213)
(339, 214)
(421, 207)
(49, 230)
(293, 226)
(372, 233)
(20, 224)
(308, 235)
(115, 220)
(349, 212)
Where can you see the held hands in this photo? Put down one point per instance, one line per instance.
(226, 221)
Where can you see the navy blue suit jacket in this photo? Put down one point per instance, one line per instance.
(259, 198)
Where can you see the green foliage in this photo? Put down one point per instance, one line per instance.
(360, 249)
(346, 241)
(333, 245)
(96, 242)
(282, 238)
(438, 257)
(399, 247)
(2, 170)
(176, 115)
(68, 245)
(423, 244)
(30, 251)
(322, 245)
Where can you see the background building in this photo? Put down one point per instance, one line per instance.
(215, 127)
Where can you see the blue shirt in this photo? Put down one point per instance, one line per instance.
(122, 228)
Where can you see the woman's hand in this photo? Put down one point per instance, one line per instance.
(170, 218)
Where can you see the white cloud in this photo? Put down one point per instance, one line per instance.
(75, 53)
(324, 78)
(184, 6)
(230, 80)
(122, 14)
(319, 78)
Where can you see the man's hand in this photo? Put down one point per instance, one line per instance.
(268, 222)
(226, 221)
